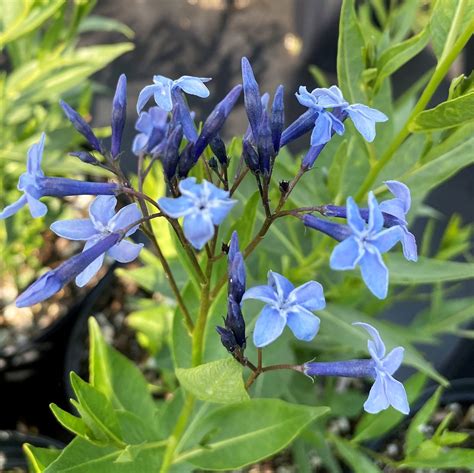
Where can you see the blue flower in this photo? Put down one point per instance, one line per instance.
(153, 127)
(162, 89)
(34, 185)
(53, 281)
(399, 207)
(119, 115)
(102, 222)
(327, 122)
(236, 270)
(286, 305)
(366, 245)
(386, 390)
(202, 206)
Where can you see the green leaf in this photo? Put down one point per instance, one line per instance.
(353, 457)
(430, 455)
(454, 112)
(240, 434)
(117, 377)
(72, 423)
(102, 23)
(399, 54)
(426, 270)
(96, 411)
(350, 60)
(39, 458)
(218, 381)
(415, 436)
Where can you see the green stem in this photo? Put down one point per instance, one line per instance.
(438, 75)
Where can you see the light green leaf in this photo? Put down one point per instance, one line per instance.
(350, 55)
(237, 435)
(426, 270)
(433, 456)
(218, 381)
(39, 458)
(72, 423)
(102, 23)
(353, 457)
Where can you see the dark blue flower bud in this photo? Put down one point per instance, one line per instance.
(349, 368)
(236, 270)
(250, 157)
(227, 339)
(186, 161)
(119, 114)
(253, 104)
(184, 116)
(171, 152)
(85, 157)
(81, 126)
(265, 149)
(235, 322)
(299, 127)
(218, 148)
(216, 120)
(278, 118)
(334, 230)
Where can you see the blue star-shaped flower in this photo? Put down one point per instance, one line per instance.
(153, 127)
(202, 206)
(102, 222)
(286, 306)
(399, 207)
(366, 245)
(162, 89)
(386, 390)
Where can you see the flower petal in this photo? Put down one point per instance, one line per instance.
(261, 293)
(336, 124)
(397, 395)
(346, 254)
(163, 98)
(309, 295)
(144, 96)
(401, 192)
(193, 85)
(175, 208)
(280, 285)
(322, 129)
(374, 272)
(12, 209)
(387, 239)
(410, 250)
(375, 345)
(393, 360)
(219, 209)
(306, 99)
(329, 98)
(139, 143)
(76, 229)
(393, 207)
(37, 208)
(102, 210)
(376, 220)
(83, 278)
(377, 400)
(125, 251)
(125, 217)
(269, 326)
(303, 323)
(354, 219)
(198, 229)
(35, 154)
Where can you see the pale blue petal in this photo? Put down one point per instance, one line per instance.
(125, 217)
(175, 208)
(410, 250)
(163, 98)
(309, 295)
(189, 188)
(125, 251)
(219, 209)
(354, 219)
(162, 80)
(144, 96)
(322, 130)
(375, 345)
(144, 123)
(329, 98)
(77, 229)
(280, 285)
(12, 209)
(377, 400)
(193, 85)
(397, 395)
(198, 229)
(346, 254)
(261, 293)
(139, 143)
(337, 125)
(364, 119)
(306, 99)
(376, 220)
(83, 278)
(102, 210)
(374, 272)
(35, 154)
(213, 192)
(387, 239)
(400, 191)
(393, 207)
(393, 360)
(269, 326)
(370, 113)
(303, 324)
(37, 208)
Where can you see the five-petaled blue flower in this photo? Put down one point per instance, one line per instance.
(202, 206)
(286, 305)
(162, 89)
(399, 207)
(321, 100)
(366, 245)
(386, 390)
(103, 221)
(153, 127)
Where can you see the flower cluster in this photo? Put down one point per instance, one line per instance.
(197, 208)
